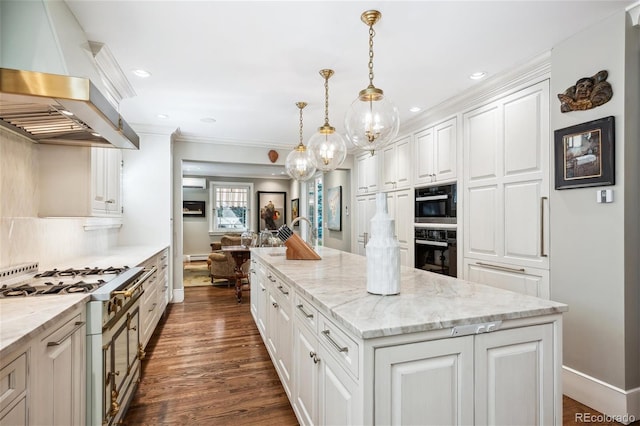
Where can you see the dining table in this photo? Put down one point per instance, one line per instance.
(240, 255)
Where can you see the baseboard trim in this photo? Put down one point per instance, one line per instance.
(178, 295)
(622, 406)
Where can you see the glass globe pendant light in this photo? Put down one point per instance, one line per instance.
(299, 163)
(372, 121)
(328, 149)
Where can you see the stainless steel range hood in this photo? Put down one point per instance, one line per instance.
(57, 109)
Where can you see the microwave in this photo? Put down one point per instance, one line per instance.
(436, 204)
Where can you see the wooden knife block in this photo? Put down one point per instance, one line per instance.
(297, 249)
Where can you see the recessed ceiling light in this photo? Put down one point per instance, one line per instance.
(208, 120)
(163, 116)
(415, 109)
(96, 134)
(478, 75)
(141, 73)
(65, 112)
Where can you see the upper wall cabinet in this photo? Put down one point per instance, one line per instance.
(79, 181)
(435, 153)
(396, 164)
(367, 166)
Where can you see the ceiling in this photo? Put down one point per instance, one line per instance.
(245, 64)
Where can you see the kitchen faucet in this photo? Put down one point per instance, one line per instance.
(314, 232)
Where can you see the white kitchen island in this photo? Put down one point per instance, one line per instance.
(443, 351)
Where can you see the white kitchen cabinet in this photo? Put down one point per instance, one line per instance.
(155, 297)
(435, 153)
(506, 183)
(79, 181)
(426, 377)
(14, 395)
(367, 173)
(365, 209)
(279, 329)
(514, 386)
(531, 281)
(58, 378)
(402, 372)
(396, 164)
(400, 208)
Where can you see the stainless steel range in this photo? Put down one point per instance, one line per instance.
(114, 350)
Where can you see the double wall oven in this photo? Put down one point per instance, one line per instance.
(436, 229)
(114, 350)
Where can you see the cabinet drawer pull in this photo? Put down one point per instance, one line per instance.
(542, 200)
(314, 356)
(271, 279)
(275, 305)
(153, 307)
(77, 326)
(282, 291)
(303, 311)
(502, 268)
(333, 342)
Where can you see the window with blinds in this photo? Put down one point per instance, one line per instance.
(231, 204)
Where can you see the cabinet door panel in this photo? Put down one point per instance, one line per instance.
(401, 396)
(389, 170)
(445, 150)
(306, 377)
(403, 162)
(515, 385)
(483, 144)
(424, 146)
(482, 231)
(522, 220)
(337, 398)
(524, 124)
(285, 347)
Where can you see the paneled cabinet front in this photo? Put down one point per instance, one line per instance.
(396, 161)
(503, 377)
(506, 186)
(155, 298)
(58, 373)
(79, 181)
(367, 173)
(435, 153)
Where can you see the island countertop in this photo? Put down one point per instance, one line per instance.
(337, 284)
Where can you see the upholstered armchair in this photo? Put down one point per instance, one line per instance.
(221, 264)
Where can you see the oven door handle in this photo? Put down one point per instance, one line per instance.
(129, 292)
(433, 198)
(432, 243)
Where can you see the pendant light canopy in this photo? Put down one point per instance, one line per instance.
(299, 163)
(372, 121)
(328, 149)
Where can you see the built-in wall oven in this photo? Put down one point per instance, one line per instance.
(436, 250)
(436, 204)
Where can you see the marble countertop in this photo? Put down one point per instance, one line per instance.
(337, 284)
(24, 318)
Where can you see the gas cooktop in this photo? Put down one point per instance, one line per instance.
(100, 282)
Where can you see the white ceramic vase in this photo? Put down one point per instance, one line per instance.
(383, 252)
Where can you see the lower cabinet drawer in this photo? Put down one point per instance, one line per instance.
(13, 380)
(343, 348)
(306, 313)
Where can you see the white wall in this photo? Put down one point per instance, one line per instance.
(594, 247)
(24, 237)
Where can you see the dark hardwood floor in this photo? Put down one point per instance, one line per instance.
(206, 365)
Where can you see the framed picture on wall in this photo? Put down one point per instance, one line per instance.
(193, 209)
(585, 154)
(272, 213)
(334, 204)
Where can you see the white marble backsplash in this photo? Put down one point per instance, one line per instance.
(24, 237)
